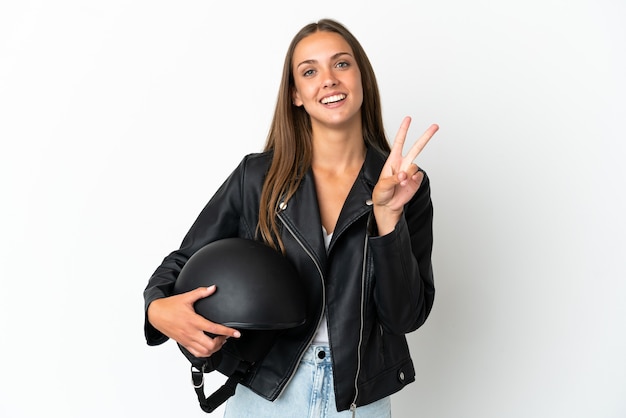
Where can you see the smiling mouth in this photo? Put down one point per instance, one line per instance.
(333, 99)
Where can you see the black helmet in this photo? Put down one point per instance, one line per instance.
(258, 292)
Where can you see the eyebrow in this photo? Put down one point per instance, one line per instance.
(335, 56)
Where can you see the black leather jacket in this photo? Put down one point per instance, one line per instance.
(375, 288)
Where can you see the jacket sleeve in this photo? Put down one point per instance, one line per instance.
(220, 218)
(404, 290)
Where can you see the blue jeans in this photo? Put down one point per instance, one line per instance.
(310, 394)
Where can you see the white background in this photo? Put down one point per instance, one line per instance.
(119, 120)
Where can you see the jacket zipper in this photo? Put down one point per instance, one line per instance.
(319, 270)
(362, 320)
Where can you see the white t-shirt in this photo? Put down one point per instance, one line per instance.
(321, 336)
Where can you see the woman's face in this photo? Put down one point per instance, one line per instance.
(327, 80)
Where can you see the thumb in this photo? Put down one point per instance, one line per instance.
(388, 183)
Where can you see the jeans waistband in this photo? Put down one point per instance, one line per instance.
(317, 354)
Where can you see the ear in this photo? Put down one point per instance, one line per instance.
(295, 97)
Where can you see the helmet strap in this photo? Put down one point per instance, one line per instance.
(217, 398)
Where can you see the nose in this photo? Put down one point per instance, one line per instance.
(329, 79)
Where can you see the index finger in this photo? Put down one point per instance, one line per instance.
(398, 142)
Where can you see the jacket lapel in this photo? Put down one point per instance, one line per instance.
(358, 202)
(302, 211)
(302, 215)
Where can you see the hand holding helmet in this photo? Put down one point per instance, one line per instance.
(176, 318)
(258, 290)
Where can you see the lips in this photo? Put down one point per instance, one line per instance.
(333, 99)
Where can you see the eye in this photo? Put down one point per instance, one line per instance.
(342, 64)
(308, 73)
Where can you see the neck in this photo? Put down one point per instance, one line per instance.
(338, 149)
(338, 155)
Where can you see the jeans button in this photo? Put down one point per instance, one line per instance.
(321, 354)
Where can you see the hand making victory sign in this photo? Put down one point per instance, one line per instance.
(399, 179)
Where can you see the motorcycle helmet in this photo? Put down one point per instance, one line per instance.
(257, 292)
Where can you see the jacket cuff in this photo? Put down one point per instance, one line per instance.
(382, 240)
(153, 335)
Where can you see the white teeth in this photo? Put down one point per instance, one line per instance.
(333, 99)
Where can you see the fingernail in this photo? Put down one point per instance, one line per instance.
(211, 287)
(237, 334)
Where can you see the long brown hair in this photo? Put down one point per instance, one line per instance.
(290, 135)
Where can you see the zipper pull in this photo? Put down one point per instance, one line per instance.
(353, 409)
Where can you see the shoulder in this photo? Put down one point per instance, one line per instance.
(256, 163)
(251, 171)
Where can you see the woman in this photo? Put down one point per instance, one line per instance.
(352, 215)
